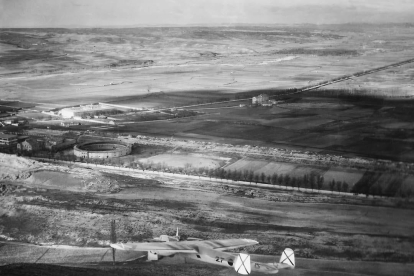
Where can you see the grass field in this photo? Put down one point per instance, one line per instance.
(338, 174)
(182, 161)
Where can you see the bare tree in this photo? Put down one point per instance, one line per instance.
(320, 182)
(408, 193)
(256, 178)
(286, 180)
(230, 174)
(211, 172)
(187, 168)
(332, 185)
(237, 175)
(280, 179)
(201, 170)
(339, 186)
(273, 180)
(246, 175)
(345, 187)
(299, 183)
(262, 177)
(312, 180)
(268, 179)
(293, 181)
(251, 176)
(305, 180)
(380, 190)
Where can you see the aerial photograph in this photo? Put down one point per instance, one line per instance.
(207, 137)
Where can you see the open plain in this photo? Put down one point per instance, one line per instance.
(185, 94)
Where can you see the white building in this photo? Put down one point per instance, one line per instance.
(71, 112)
(261, 99)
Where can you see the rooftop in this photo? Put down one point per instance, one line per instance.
(7, 136)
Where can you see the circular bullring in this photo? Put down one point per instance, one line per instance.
(101, 149)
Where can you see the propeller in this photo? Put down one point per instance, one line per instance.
(113, 240)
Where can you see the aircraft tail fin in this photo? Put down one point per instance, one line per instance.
(287, 260)
(242, 264)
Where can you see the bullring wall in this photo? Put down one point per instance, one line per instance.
(101, 150)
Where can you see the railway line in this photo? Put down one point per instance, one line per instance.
(356, 75)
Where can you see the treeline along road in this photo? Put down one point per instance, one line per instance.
(355, 75)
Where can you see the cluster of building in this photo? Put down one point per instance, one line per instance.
(89, 111)
(47, 140)
(24, 143)
(12, 122)
(77, 111)
(8, 140)
(263, 100)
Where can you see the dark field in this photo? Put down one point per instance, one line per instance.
(376, 129)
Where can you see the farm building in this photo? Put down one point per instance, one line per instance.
(71, 112)
(68, 124)
(31, 145)
(261, 99)
(57, 144)
(7, 140)
(52, 141)
(88, 111)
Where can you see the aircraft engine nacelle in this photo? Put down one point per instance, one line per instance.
(153, 256)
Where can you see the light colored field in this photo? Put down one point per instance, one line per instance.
(269, 168)
(300, 171)
(276, 167)
(349, 176)
(76, 179)
(182, 161)
(246, 164)
(80, 72)
(53, 178)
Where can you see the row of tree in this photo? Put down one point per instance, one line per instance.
(370, 184)
(367, 185)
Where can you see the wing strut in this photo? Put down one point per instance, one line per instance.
(113, 240)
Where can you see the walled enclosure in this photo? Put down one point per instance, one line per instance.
(102, 149)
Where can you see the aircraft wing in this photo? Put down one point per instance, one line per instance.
(176, 247)
(225, 244)
(14, 252)
(185, 246)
